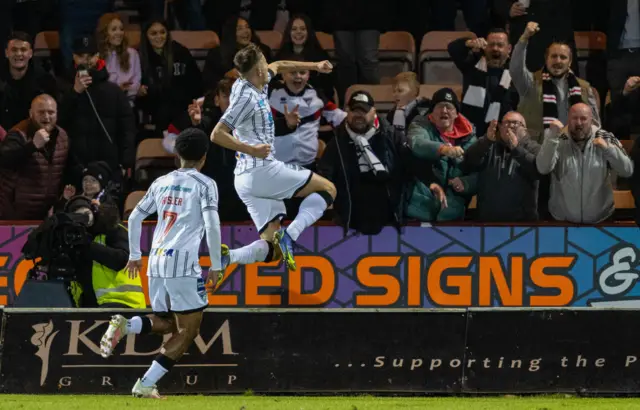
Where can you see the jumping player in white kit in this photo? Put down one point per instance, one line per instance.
(187, 205)
(262, 182)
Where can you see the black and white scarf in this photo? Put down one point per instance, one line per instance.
(367, 159)
(475, 98)
(550, 95)
(400, 115)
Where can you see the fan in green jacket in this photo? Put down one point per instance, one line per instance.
(440, 139)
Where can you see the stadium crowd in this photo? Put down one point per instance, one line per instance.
(524, 137)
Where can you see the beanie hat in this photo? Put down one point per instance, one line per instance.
(100, 170)
(445, 95)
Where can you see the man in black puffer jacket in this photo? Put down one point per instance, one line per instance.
(115, 143)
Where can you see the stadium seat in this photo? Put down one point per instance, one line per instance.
(627, 145)
(434, 61)
(131, 202)
(623, 200)
(327, 43)
(382, 95)
(152, 161)
(474, 203)
(427, 90)
(198, 42)
(45, 42)
(134, 37)
(396, 53)
(588, 43)
(271, 39)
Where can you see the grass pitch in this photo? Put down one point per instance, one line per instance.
(40, 402)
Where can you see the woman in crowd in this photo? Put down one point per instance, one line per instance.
(299, 42)
(123, 62)
(170, 78)
(236, 34)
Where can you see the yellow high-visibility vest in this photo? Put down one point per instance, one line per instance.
(116, 287)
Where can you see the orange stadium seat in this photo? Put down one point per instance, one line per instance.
(271, 39)
(627, 145)
(198, 42)
(427, 90)
(152, 161)
(434, 61)
(45, 42)
(134, 37)
(396, 53)
(623, 200)
(382, 95)
(131, 202)
(327, 43)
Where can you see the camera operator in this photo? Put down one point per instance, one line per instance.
(109, 284)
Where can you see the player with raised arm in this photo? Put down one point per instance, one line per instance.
(187, 205)
(262, 182)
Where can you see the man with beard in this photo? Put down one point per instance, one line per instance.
(487, 88)
(21, 81)
(33, 161)
(548, 94)
(581, 158)
(505, 159)
(440, 140)
(367, 168)
(97, 113)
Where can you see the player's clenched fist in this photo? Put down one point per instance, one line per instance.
(261, 151)
(325, 67)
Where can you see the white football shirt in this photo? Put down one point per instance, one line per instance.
(187, 205)
(250, 119)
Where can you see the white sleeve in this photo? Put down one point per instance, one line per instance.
(145, 207)
(209, 206)
(240, 107)
(214, 239)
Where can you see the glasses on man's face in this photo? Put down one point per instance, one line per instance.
(512, 124)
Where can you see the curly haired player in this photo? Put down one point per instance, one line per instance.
(187, 205)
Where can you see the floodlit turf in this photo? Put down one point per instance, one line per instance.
(42, 402)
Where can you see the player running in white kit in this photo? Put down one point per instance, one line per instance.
(187, 205)
(262, 182)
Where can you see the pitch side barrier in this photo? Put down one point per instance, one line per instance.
(444, 351)
(444, 266)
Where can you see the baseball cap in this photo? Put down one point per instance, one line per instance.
(361, 100)
(85, 45)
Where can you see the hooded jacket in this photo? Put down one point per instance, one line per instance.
(581, 190)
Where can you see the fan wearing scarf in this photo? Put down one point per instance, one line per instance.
(365, 164)
(548, 94)
(488, 92)
(440, 141)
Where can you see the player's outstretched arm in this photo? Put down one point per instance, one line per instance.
(222, 136)
(280, 67)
